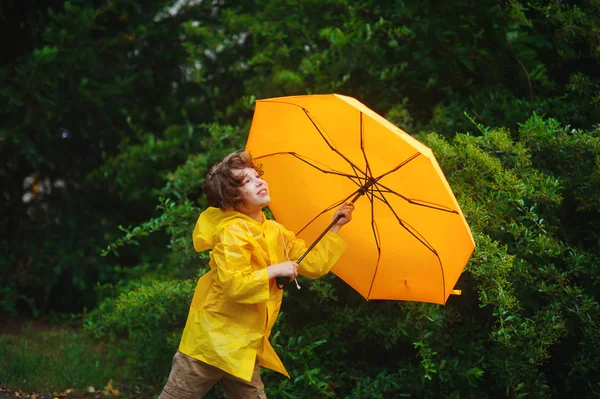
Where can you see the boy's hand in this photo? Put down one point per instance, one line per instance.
(345, 213)
(285, 269)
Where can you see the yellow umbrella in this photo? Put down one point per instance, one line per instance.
(408, 239)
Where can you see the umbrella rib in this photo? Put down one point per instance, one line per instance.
(426, 204)
(399, 165)
(376, 236)
(378, 197)
(422, 240)
(362, 146)
(329, 144)
(362, 181)
(404, 224)
(331, 172)
(305, 160)
(327, 210)
(411, 201)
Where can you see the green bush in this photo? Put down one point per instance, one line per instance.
(144, 325)
(524, 325)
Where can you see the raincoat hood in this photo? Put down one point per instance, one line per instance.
(210, 224)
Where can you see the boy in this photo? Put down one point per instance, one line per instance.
(237, 302)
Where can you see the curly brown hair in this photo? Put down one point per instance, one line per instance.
(222, 187)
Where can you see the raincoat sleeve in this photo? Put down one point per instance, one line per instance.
(232, 256)
(321, 258)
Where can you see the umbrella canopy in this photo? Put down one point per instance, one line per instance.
(408, 239)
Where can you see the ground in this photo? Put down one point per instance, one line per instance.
(35, 354)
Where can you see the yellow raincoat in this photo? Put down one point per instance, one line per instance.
(235, 304)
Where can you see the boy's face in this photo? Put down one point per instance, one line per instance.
(254, 190)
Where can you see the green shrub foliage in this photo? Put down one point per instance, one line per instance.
(145, 324)
(525, 325)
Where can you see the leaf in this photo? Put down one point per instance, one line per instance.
(110, 390)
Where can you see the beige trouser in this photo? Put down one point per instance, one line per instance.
(192, 379)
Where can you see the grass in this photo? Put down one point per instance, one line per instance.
(54, 360)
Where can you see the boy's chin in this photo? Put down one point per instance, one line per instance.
(261, 204)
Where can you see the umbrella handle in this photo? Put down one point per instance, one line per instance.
(281, 281)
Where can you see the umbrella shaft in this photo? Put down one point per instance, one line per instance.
(319, 238)
(282, 280)
(359, 194)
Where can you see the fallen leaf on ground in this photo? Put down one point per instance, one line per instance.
(110, 390)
